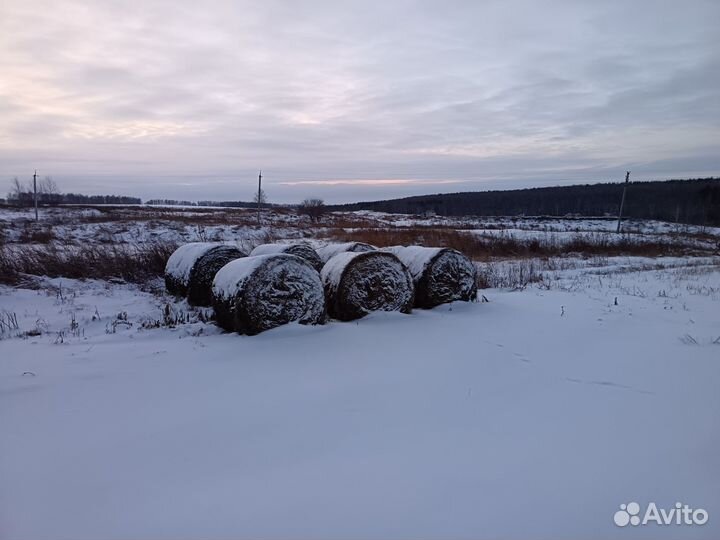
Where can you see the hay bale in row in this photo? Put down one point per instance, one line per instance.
(258, 293)
(440, 275)
(191, 269)
(358, 283)
(301, 250)
(328, 251)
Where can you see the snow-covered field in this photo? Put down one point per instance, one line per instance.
(125, 414)
(117, 225)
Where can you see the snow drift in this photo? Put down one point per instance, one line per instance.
(440, 274)
(328, 251)
(358, 283)
(301, 250)
(255, 294)
(191, 269)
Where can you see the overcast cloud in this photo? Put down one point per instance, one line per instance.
(355, 100)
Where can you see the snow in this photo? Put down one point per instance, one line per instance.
(540, 224)
(330, 250)
(130, 225)
(181, 262)
(268, 249)
(302, 249)
(532, 416)
(415, 258)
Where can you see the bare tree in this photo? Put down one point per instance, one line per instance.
(260, 197)
(48, 186)
(315, 208)
(20, 194)
(15, 189)
(49, 191)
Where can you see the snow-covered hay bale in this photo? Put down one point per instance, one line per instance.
(328, 251)
(182, 267)
(358, 283)
(440, 274)
(258, 293)
(199, 291)
(301, 250)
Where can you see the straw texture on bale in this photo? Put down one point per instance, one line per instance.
(255, 294)
(328, 251)
(180, 266)
(359, 283)
(440, 275)
(301, 250)
(199, 291)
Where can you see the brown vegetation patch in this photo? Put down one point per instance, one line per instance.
(481, 247)
(136, 263)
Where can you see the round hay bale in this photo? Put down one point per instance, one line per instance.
(192, 263)
(328, 251)
(301, 250)
(199, 290)
(440, 275)
(358, 283)
(255, 294)
(180, 265)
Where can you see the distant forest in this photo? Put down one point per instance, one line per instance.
(47, 193)
(54, 199)
(76, 198)
(694, 201)
(227, 204)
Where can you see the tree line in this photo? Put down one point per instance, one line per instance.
(228, 204)
(48, 194)
(695, 201)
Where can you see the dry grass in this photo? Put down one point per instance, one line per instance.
(32, 234)
(506, 246)
(137, 263)
(184, 215)
(514, 276)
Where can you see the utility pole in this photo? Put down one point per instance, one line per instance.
(622, 201)
(35, 194)
(259, 201)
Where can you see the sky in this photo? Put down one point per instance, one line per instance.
(352, 101)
